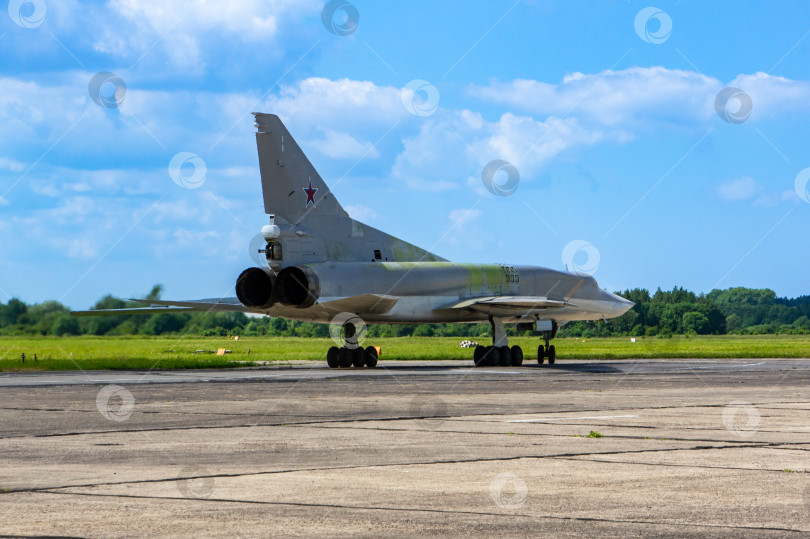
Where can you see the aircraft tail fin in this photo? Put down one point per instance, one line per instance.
(314, 226)
(292, 187)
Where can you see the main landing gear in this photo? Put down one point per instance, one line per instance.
(500, 354)
(492, 356)
(351, 353)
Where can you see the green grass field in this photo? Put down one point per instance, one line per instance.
(92, 353)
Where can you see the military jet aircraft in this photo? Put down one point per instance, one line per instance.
(323, 266)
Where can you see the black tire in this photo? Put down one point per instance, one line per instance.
(359, 357)
(552, 355)
(517, 356)
(478, 355)
(345, 357)
(506, 357)
(371, 357)
(333, 357)
(541, 354)
(491, 356)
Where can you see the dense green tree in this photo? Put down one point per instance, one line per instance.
(12, 311)
(695, 322)
(66, 325)
(423, 330)
(739, 310)
(158, 324)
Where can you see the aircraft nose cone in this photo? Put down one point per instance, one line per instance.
(619, 304)
(623, 304)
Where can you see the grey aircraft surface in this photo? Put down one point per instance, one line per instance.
(323, 266)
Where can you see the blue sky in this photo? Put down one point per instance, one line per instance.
(606, 110)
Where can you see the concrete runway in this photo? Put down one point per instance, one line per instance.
(688, 447)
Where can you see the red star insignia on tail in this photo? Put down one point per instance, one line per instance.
(310, 191)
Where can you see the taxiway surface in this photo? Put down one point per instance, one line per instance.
(687, 447)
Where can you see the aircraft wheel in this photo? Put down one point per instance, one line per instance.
(552, 355)
(345, 357)
(358, 357)
(371, 357)
(479, 355)
(333, 357)
(517, 356)
(541, 354)
(506, 356)
(491, 356)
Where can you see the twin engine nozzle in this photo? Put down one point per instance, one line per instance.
(294, 286)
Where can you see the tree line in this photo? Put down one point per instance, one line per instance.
(662, 313)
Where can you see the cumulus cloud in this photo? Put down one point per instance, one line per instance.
(181, 30)
(744, 188)
(747, 188)
(318, 101)
(452, 148)
(463, 216)
(343, 146)
(643, 94)
(11, 165)
(774, 96)
(467, 228)
(361, 213)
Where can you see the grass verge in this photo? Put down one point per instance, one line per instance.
(96, 353)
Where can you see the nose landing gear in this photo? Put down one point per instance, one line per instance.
(547, 351)
(500, 354)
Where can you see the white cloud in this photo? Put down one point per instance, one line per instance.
(467, 229)
(613, 97)
(747, 188)
(361, 213)
(336, 104)
(774, 96)
(648, 95)
(744, 188)
(11, 164)
(343, 146)
(81, 248)
(463, 216)
(452, 148)
(181, 30)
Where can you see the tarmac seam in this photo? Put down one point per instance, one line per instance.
(425, 510)
(563, 456)
(670, 465)
(346, 420)
(611, 425)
